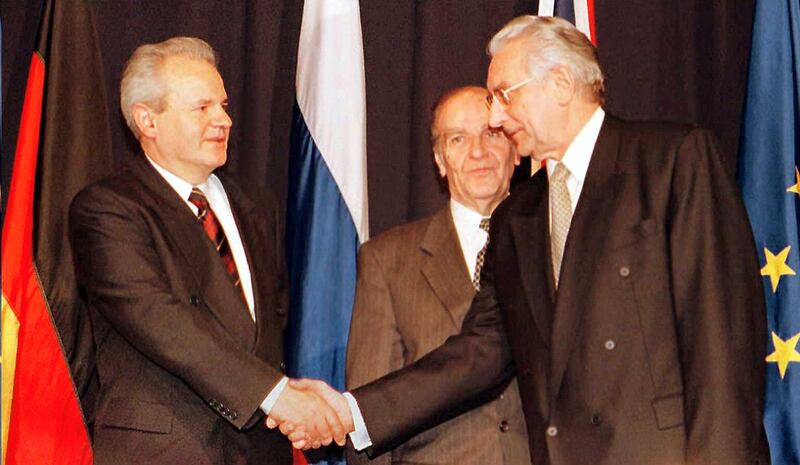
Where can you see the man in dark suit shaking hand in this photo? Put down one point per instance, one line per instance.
(621, 284)
(186, 285)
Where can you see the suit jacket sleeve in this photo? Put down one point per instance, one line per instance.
(469, 369)
(126, 281)
(718, 298)
(375, 346)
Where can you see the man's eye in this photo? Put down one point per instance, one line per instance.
(456, 139)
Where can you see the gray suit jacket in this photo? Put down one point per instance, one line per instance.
(413, 292)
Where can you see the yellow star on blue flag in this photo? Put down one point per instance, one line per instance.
(785, 352)
(796, 186)
(776, 266)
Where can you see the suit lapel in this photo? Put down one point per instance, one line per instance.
(587, 233)
(254, 246)
(443, 265)
(529, 229)
(204, 264)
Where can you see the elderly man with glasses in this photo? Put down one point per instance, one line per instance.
(621, 284)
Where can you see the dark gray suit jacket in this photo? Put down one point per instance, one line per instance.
(652, 350)
(182, 367)
(413, 292)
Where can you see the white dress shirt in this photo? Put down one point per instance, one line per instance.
(470, 235)
(218, 202)
(577, 157)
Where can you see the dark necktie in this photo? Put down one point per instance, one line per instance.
(213, 229)
(476, 277)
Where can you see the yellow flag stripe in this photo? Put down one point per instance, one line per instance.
(9, 362)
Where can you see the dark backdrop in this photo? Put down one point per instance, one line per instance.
(683, 60)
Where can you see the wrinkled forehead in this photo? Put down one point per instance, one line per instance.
(464, 110)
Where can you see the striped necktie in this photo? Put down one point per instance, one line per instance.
(213, 229)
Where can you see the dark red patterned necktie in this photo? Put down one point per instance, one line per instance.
(212, 227)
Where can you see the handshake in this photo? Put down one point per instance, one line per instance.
(311, 414)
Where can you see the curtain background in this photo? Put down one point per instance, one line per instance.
(684, 60)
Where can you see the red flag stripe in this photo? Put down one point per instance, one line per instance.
(46, 425)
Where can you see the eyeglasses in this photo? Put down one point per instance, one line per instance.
(504, 95)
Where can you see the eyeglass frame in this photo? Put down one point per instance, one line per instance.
(503, 94)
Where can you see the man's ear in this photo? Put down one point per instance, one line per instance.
(565, 84)
(439, 158)
(143, 118)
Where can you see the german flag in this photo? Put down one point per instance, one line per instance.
(63, 144)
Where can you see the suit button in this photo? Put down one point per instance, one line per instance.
(624, 271)
(280, 311)
(504, 427)
(283, 367)
(610, 344)
(194, 300)
(233, 415)
(552, 431)
(596, 420)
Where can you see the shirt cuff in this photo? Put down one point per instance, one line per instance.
(359, 437)
(273, 395)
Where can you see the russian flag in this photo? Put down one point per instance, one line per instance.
(578, 12)
(327, 216)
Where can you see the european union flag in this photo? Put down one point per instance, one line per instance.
(768, 172)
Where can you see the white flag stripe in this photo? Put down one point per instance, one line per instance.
(582, 17)
(546, 7)
(332, 97)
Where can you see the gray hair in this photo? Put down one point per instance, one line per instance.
(551, 42)
(141, 79)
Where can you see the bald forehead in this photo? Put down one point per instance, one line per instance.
(463, 93)
(458, 97)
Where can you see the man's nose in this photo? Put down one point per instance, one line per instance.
(497, 115)
(477, 148)
(221, 118)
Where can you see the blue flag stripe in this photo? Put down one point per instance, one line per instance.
(321, 249)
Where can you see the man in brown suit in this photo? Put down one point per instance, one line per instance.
(415, 284)
(186, 284)
(621, 285)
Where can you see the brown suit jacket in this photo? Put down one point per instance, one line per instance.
(412, 294)
(651, 351)
(182, 367)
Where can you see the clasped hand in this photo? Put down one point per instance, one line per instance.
(311, 414)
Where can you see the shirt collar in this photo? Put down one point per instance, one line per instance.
(463, 216)
(181, 186)
(579, 152)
